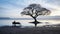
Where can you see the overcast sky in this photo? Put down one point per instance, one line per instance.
(12, 8)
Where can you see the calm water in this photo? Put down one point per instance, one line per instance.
(26, 22)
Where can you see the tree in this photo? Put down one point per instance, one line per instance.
(34, 10)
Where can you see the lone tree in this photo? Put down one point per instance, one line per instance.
(34, 10)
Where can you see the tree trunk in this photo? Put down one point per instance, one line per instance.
(35, 22)
(35, 19)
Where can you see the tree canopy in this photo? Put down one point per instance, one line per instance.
(35, 10)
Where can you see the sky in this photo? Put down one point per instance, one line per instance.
(13, 8)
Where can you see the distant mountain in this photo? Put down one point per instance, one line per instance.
(39, 18)
(4, 17)
(49, 17)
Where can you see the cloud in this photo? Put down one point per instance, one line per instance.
(14, 7)
(56, 2)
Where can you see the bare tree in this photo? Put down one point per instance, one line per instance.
(34, 10)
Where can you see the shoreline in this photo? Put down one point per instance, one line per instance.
(27, 30)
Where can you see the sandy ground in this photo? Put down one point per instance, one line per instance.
(27, 30)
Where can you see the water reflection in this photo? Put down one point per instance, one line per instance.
(26, 22)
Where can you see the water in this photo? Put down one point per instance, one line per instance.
(26, 22)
